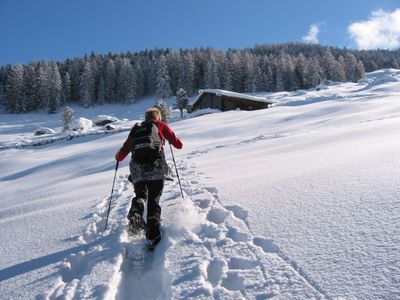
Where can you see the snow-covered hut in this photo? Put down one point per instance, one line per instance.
(227, 100)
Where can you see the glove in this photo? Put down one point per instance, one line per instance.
(119, 156)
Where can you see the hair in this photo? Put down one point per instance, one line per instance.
(153, 113)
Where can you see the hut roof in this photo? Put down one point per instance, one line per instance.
(230, 94)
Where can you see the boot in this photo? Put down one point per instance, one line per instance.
(153, 243)
(137, 224)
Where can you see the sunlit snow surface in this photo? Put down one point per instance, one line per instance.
(298, 201)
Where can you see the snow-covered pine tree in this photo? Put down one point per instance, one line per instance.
(149, 67)
(87, 86)
(182, 72)
(54, 88)
(258, 80)
(211, 76)
(189, 73)
(101, 95)
(126, 81)
(199, 63)
(44, 75)
(163, 89)
(2, 93)
(360, 70)
(65, 89)
(235, 66)
(97, 70)
(289, 73)
(132, 85)
(333, 69)
(68, 116)
(225, 75)
(268, 76)
(31, 86)
(280, 80)
(140, 78)
(119, 79)
(14, 100)
(110, 78)
(342, 64)
(3, 75)
(300, 71)
(173, 61)
(166, 113)
(186, 72)
(351, 67)
(248, 73)
(74, 71)
(182, 100)
(314, 73)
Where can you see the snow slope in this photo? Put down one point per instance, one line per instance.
(298, 201)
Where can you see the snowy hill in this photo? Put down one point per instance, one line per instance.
(297, 201)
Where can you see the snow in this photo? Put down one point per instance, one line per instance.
(231, 94)
(83, 125)
(294, 202)
(43, 130)
(104, 119)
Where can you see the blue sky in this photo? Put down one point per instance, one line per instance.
(59, 29)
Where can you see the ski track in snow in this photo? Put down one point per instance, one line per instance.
(260, 137)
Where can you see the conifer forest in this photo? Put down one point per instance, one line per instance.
(125, 77)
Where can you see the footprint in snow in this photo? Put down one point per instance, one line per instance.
(239, 263)
(212, 190)
(238, 212)
(74, 267)
(236, 235)
(215, 270)
(217, 215)
(209, 231)
(202, 203)
(267, 245)
(233, 281)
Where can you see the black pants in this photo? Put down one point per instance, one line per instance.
(148, 191)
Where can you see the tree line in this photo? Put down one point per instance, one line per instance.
(124, 77)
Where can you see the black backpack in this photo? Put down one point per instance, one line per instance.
(146, 143)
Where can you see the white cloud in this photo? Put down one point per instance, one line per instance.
(312, 35)
(382, 30)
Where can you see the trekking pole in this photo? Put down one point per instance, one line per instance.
(112, 190)
(177, 174)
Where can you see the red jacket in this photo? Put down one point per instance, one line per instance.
(165, 133)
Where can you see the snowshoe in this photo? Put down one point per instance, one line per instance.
(137, 224)
(153, 243)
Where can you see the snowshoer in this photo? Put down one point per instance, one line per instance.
(147, 168)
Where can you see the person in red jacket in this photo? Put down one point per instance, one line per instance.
(148, 177)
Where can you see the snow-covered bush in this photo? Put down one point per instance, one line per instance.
(68, 116)
(110, 127)
(43, 130)
(104, 119)
(166, 113)
(83, 125)
(182, 100)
